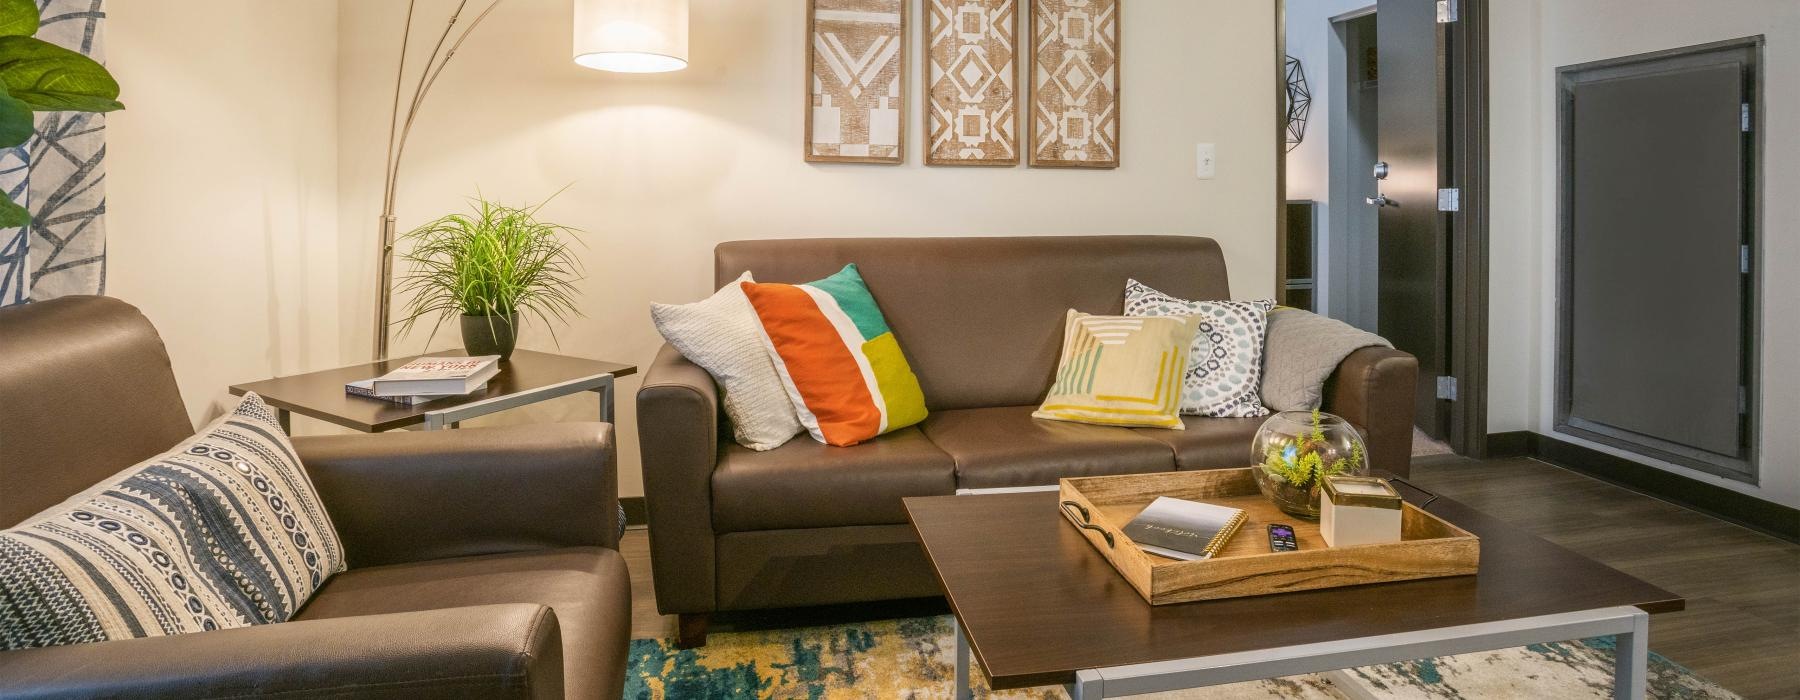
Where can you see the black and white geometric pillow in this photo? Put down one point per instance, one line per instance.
(224, 530)
(1225, 363)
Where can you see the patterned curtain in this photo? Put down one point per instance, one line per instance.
(59, 175)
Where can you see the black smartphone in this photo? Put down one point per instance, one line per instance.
(1281, 538)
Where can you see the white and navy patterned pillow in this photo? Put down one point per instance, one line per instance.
(222, 531)
(1225, 363)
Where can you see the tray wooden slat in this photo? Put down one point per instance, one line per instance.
(1430, 547)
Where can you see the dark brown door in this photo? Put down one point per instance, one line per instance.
(1413, 306)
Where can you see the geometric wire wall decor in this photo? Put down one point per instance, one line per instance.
(1299, 102)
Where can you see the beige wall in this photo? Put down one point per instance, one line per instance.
(662, 167)
(222, 185)
(1531, 38)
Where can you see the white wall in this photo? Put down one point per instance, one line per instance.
(663, 167)
(1313, 40)
(1530, 39)
(222, 186)
(1310, 39)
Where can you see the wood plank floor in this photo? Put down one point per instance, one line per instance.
(1741, 628)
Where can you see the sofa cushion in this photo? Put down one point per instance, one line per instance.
(1209, 443)
(1215, 443)
(842, 366)
(1005, 446)
(721, 333)
(805, 484)
(1224, 367)
(223, 530)
(587, 587)
(1120, 371)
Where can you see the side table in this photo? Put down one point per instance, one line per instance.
(528, 377)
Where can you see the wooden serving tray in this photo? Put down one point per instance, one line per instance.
(1430, 547)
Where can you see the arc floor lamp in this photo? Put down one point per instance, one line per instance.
(624, 36)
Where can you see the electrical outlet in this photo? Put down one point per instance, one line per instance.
(1204, 161)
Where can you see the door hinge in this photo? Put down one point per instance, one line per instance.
(1744, 259)
(1446, 388)
(1744, 117)
(1446, 11)
(1450, 199)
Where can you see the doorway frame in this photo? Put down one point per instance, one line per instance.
(1464, 45)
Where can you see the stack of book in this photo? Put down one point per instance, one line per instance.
(428, 378)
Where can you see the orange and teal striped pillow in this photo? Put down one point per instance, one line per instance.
(838, 359)
(1121, 370)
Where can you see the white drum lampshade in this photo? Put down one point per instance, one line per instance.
(631, 36)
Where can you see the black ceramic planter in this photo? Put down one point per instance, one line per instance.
(490, 335)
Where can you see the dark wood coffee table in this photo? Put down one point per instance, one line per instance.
(528, 377)
(1038, 606)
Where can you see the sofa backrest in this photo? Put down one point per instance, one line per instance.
(86, 390)
(981, 319)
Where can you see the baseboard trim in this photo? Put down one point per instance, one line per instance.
(1511, 444)
(1749, 511)
(635, 512)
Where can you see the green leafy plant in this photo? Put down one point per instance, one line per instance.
(1300, 463)
(496, 261)
(38, 76)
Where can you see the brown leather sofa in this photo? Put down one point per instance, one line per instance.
(980, 320)
(482, 563)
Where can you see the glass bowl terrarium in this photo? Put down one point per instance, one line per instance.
(1296, 450)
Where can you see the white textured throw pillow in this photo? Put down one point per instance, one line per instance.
(1225, 363)
(722, 334)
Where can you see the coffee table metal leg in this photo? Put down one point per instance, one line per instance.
(962, 662)
(1629, 625)
(1631, 659)
(1086, 686)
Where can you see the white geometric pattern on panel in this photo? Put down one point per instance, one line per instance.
(1075, 83)
(857, 66)
(972, 100)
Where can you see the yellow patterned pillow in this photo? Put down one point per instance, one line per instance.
(1121, 370)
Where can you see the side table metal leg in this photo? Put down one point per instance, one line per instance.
(285, 419)
(1631, 659)
(962, 690)
(606, 400)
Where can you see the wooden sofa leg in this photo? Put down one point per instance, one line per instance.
(692, 630)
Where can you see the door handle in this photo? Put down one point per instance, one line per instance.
(1380, 200)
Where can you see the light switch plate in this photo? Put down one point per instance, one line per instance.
(1205, 161)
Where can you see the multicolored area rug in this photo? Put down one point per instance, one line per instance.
(914, 659)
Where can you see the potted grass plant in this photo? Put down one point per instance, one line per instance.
(492, 267)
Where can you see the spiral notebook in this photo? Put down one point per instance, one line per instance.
(1187, 530)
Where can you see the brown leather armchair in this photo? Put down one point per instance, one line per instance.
(980, 320)
(482, 562)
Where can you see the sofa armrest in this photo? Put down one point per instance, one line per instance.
(488, 651)
(417, 496)
(678, 438)
(1375, 388)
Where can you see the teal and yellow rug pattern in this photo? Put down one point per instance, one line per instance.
(914, 659)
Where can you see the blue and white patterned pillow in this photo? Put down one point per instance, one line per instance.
(224, 530)
(1224, 372)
